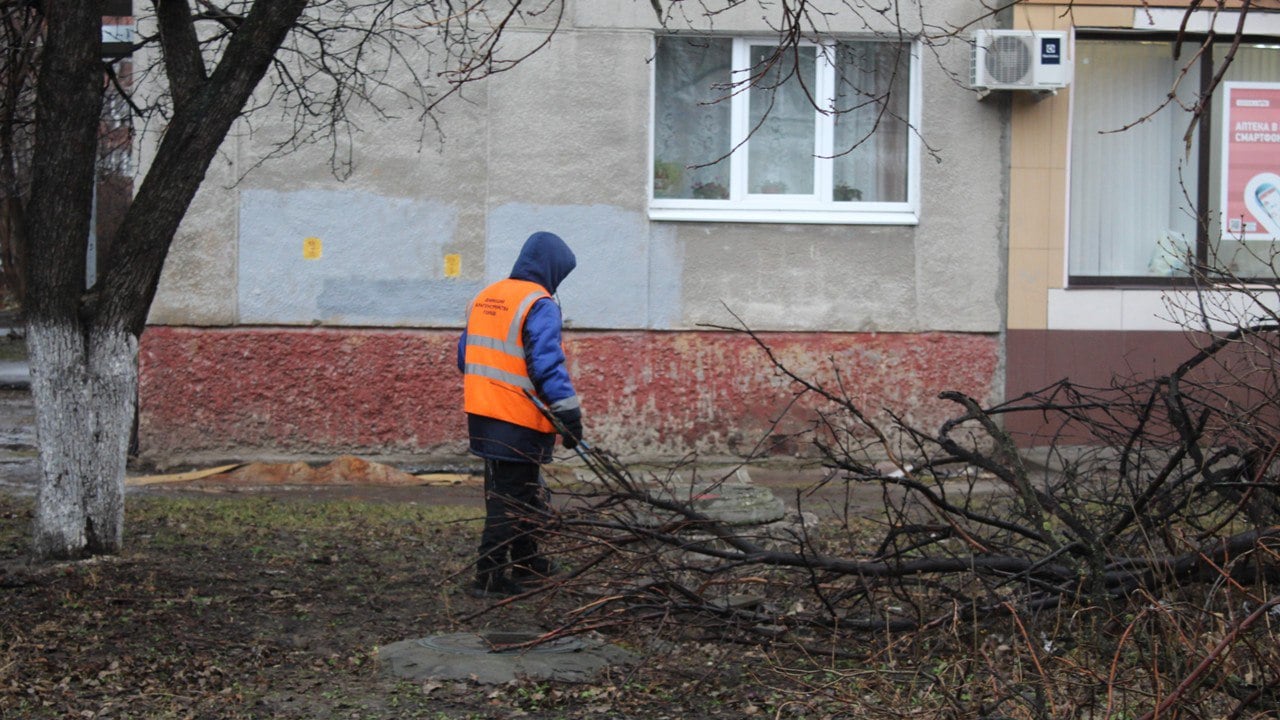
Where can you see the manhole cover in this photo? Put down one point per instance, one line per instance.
(500, 642)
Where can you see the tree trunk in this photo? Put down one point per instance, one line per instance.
(84, 345)
(68, 519)
(85, 391)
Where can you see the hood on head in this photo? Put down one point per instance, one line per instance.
(544, 259)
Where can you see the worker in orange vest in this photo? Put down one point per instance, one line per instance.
(512, 346)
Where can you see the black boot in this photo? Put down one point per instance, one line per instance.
(494, 585)
(535, 570)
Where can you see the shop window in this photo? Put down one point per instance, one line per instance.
(815, 133)
(1149, 201)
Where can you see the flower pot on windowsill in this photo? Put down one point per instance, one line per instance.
(844, 193)
(710, 191)
(666, 179)
(774, 188)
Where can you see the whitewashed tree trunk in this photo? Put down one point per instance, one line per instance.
(85, 394)
(83, 342)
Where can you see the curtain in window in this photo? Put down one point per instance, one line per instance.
(872, 103)
(1133, 180)
(691, 129)
(780, 150)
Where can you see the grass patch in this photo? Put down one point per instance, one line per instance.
(224, 516)
(12, 348)
(15, 525)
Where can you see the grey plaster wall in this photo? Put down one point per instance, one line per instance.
(198, 285)
(561, 143)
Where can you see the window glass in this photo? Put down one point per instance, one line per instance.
(871, 122)
(1230, 253)
(781, 150)
(746, 131)
(1134, 175)
(1141, 206)
(691, 123)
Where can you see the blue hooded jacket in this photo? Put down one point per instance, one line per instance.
(546, 260)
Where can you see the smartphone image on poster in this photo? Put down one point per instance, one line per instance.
(1262, 200)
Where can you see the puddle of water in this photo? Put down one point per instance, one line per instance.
(18, 468)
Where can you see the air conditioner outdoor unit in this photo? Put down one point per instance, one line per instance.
(1019, 60)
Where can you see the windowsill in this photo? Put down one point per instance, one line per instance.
(1127, 283)
(1165, 283)
(1140, 309)
(806, 216)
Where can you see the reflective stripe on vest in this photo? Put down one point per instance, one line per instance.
(496, 372)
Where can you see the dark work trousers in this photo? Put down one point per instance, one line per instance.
(515, 504)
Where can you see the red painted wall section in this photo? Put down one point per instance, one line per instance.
(253, 391)
(244, 393)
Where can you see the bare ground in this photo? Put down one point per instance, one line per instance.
(232, 602)
(259, 607)
(271, 602)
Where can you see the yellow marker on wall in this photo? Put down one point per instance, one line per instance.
(452, 265)
(312, 248)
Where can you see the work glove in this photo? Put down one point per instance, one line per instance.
(571, 422)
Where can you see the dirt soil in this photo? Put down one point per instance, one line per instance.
(241, 601)
(271, 603)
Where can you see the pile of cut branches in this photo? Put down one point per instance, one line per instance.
(1128, 563)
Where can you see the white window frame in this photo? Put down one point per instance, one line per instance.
(742, 206)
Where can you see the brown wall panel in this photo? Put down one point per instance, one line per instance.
(1099, 359)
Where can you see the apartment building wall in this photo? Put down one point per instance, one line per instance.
(300, 314)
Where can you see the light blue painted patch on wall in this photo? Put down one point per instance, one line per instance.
(611, 286)
(375, 302)
(381, 260)
(666, 265)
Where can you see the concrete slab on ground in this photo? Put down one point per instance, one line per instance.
(498, 657)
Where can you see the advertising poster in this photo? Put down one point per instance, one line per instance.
(1251, 161)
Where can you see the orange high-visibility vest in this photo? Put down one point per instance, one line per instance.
(496, 375)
